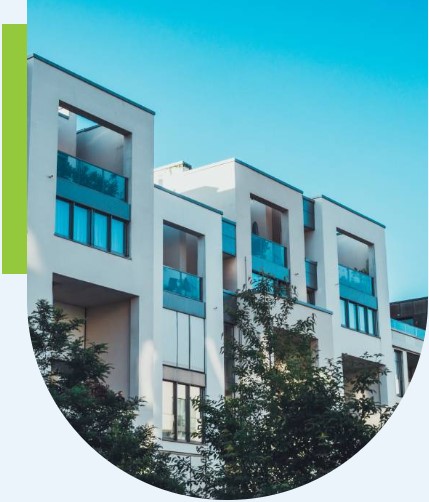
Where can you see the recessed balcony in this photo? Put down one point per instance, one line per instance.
(311, 274)
(269, 258)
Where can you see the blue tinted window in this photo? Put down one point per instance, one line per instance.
(117, 236)
(80, 225)
(62, 218)
(99, 231)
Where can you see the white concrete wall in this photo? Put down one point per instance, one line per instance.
(102, 147)
(330, 217)
(172, 209)
(110, 324)
(48, 254)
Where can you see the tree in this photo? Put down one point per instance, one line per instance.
(288, 420)
(76, 378)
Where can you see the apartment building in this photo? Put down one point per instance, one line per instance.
(150, 257)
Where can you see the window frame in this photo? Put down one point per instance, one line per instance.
(367, 311)
(90, 227)
(188, 404)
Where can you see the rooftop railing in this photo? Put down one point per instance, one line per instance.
(408, 329)
(91, 176)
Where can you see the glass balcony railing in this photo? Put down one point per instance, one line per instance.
(182, 283)
(356, 280)
(408, 329)
(311, 274)
(88, 175)
(274, 286)
(268, 250)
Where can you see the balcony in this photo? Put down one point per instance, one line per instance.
(311, 274)
(183, 292)
(182, 283)
(269, 258)
(228, 237)
(90, 176)
(408, 329)
(357, 287)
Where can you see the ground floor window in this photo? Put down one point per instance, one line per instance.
(399, 367)
(88, 226)
(358, 317)
(180, 418)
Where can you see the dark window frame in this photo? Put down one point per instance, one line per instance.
(367, 312)
(188, 405)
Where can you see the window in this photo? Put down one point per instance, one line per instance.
(62, 219)
(92, 228)
(358, 317)
(80, 224)
(399, 373)
(179, 417)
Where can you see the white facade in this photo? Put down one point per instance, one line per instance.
(147, 266)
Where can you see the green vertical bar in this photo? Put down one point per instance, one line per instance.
(14, 150)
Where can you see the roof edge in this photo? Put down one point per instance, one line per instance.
(339, 204)
(188, 199)
(90, 82)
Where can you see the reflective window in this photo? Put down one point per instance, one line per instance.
(352, 316)
(343, 313)
(358, 317)
(399, 373)
(168, 425)
(87, 226)
(361, 318)
(99, 230)
(117, 237)
(181, 412)
(62, 218)
(80, 225)
(371, 323)
(181, 419)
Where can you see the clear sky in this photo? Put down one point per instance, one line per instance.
(330, 96)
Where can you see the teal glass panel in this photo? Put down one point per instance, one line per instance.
(407, 329)
(228, 238)
(80, 225)
(182, 283)
(311, 274)
(308, 206)
(356, 280)
(62, 218)
(91, 176)
(99, 231)
(117, 237)
(268, 250)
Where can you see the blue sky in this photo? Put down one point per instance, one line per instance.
(329, 96)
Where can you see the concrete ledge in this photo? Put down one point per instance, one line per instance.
(184, 305)
(93, 199)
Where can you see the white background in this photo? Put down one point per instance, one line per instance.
(43, 459)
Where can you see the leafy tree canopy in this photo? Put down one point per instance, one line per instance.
(287, 420)
(76, 378)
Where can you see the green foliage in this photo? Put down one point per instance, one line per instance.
(76, 378)
(288, 420)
